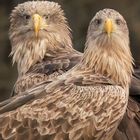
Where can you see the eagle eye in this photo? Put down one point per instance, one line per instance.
(26, 16)
(46, 16)
(97, 21)
(119, 21)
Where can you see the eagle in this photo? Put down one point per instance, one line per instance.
(88, 101)
(25, 22)
(41, 43)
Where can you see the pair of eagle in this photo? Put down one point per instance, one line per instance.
(62, 94)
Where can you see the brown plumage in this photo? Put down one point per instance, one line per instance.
(135, 82)
(129, 128)
(58, 62)
(88, 101)
(41, 43)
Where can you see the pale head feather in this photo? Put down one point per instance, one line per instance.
(110, 57)
(26, 48)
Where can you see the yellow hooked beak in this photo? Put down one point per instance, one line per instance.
(37, 19)
(108, 27)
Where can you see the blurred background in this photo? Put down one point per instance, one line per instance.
(79, 14)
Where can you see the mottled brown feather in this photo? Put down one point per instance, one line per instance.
(129, 127)
(47, 70)
(60, 128)
(87, 102)
(70, 110)
(44, 57)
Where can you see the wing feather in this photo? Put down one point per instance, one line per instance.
(129, 128)
(69, 112)
(46, 70)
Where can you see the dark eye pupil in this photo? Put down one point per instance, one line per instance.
(118, 21)
(27, 16)
(46, 16)
(98, 21)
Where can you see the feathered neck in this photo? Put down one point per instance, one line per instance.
(26, 52)
(113, 60)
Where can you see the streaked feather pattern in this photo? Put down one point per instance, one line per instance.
(47, 70)
(69, 112)
(129, 128)
(88, 102)
(46, 56)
